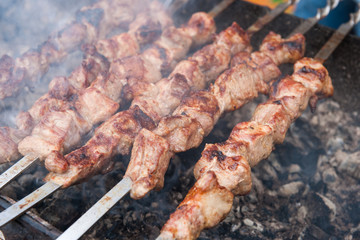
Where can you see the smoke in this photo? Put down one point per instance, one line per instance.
(24, 25)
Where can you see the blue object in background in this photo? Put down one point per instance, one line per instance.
(339, 15)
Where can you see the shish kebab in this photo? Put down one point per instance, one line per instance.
(205, 29)
(224, 169)
(92, 23)
(145, 28)
(296, 46)
(194, 118)
(62, 128)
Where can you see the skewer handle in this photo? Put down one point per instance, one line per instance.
(337, 37)
(320, 14)
(174, 5)
(323, 12)
(16, 169)
(220, 7)
(27, 202)
(255, 27)
(32, 219)
(98, 210)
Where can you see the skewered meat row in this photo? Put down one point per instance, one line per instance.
(198, 113)
(116, 135)
(224, 169)
(92, 23)
(146, 28)
(57, 131)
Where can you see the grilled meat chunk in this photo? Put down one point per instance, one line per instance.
(155, 148)
(205, 206)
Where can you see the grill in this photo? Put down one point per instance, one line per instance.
(308, 188)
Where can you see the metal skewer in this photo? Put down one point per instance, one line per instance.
(174, 5)
(338, 36)
(320, 14)
(16, 169)
(98, 210)
(255, 27)
(32, 219)
(27, 202)
(220, 7)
